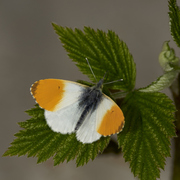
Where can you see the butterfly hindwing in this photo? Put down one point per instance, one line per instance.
(87, 132)
(65, 119)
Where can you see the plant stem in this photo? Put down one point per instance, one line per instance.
(175, 89)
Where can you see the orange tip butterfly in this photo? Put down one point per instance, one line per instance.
(72, 107)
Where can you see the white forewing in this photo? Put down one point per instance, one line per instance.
(71, 94)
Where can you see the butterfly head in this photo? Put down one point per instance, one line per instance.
(99, 85)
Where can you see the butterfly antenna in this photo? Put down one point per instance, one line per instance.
(105, 75)
(114, 81)
(91, 69)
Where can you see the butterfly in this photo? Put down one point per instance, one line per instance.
(72, 107)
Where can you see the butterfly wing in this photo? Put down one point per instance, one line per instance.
(110, 118)
(59, 98)
(106, 120)
(65, 119)
(53, 94)
(87, 132)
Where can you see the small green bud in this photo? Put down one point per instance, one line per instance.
(167, 57)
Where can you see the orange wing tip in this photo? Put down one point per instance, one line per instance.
(123, 123)
(33, 88)
(112, 121)
(48, 93)
(121, 128)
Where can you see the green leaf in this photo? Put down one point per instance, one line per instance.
(105, 52)
(167, 57)
(162, 82)
(174, 15)
(145, 140)
(37, 139)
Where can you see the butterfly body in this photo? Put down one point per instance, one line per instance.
(73, 107)
(89, 101)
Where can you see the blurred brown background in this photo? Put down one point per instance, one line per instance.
(30, 50)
